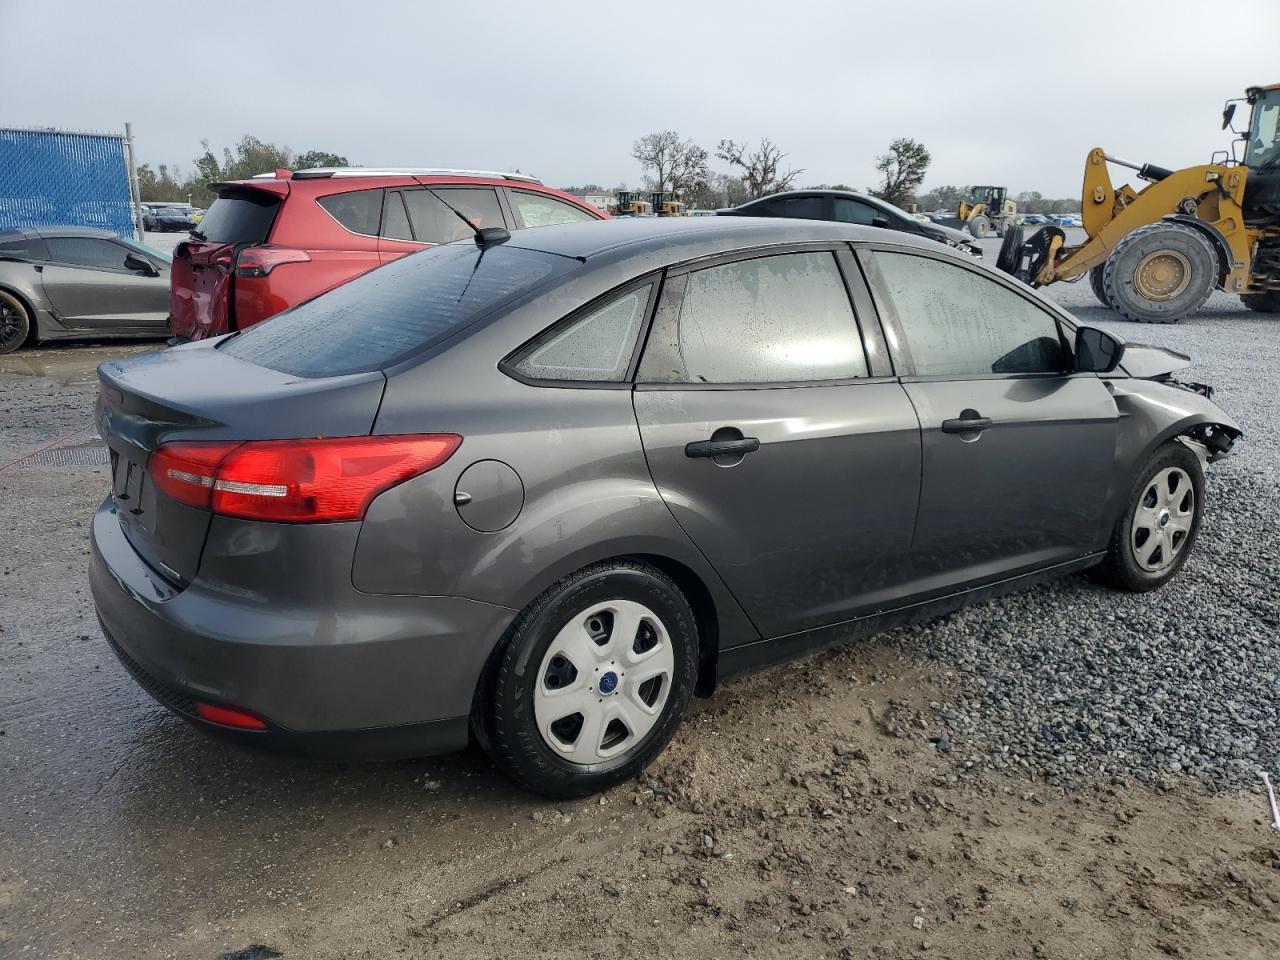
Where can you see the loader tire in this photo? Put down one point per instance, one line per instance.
(979, 226)
(1160, 273)
(1262, 302)
(1010, 258)
(1096, 280)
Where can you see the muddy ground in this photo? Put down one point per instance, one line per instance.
(806, 811)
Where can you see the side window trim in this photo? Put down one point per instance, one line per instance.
(874, 345)
(670, 300)
(508, 363)
(899, 345)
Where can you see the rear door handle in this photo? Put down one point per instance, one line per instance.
(722, 448)
(966, 424)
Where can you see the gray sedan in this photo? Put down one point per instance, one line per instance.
(538, 490)
(61, 282)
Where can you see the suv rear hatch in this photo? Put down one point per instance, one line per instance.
(199, 393)
(201, 292)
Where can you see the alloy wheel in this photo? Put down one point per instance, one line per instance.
(11, 325)
(1162, 519)
(603, 682)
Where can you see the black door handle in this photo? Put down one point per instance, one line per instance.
(966, 424)
(721, 448)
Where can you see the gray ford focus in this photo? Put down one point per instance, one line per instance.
(539, 490)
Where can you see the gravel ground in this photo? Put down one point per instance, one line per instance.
(1079, 683)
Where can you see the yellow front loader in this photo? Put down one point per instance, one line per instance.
(1156, 254)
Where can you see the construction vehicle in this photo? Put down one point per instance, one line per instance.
(630, 204)
(666, 205)
(1155, 255)
(985, 210)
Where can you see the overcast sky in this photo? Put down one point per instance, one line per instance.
(1012, 93)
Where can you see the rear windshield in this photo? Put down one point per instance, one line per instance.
(240, 217)
(389, 313)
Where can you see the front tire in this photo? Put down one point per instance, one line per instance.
(1160, 273)
(592, 681)
(979, 226)
(1096, 278)
(15, 323)
(1161, 520)
(1262, 302)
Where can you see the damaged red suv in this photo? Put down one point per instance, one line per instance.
(270, 243)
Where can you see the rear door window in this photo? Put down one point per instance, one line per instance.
(242, 217)
(434, 222)
(358, 211)
(87, 252)
(390, 313)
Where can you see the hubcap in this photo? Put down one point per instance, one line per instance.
(603, 682)
(1162, 275)
(1162, 519)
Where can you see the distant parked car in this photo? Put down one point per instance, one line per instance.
(167, 220)
(1034, 218)
(1066, 219)
(271, 242)
(61, 282)
(845, 207)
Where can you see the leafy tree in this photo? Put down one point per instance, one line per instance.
(760, 168)
(160, 183)
(679, 166)
(902, 170)
(319, 158)
(942, 198)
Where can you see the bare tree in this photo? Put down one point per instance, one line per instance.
(902, 169)
(760, 168)
(679, 166)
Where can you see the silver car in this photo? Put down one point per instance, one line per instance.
(62, 282)
(542, 488)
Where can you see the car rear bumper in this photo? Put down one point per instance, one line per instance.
(355, 676)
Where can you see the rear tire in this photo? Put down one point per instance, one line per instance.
(1262, 302)
(979, 226)
(1096, 280)
(1160, 273)
(1146, 551)
(15, 323)
(560, 707)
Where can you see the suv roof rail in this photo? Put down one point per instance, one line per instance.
(316, 173)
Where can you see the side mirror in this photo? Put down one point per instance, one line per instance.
(879, 221)
(1228, 112)
(141, 265)
(1096, 351)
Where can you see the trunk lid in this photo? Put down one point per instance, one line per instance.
(196, 392)
(201, 293)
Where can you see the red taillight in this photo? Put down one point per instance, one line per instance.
(295, 481)
(228, 717)
(260, 261)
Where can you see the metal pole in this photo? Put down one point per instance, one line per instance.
(135, 193)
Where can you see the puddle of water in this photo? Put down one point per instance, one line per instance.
(67, 364)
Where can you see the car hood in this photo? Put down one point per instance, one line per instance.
(1147, 362)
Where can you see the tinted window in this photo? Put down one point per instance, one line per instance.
(433, 222)
(958, 322)
(358, 211)
(537, 210)
(802, 208)
(388, 313)
(395, 222)
(86, 252)
(240, 218)
(595, 347)
(23, 249)
(851, 211)
(767, 320)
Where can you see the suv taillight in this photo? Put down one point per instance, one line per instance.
(260, 261)
(294, 481)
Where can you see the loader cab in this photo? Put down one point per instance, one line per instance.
(1262, 146)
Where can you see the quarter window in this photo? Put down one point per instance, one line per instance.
(765, 320)
(802, 208)
(395, 222)
(958, 323)
(595, 347)
(358, 211)
(434, 222)
(539, 211)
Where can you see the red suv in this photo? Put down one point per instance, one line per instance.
(269, 243)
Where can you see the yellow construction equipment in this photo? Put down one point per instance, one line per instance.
(630, 204)
(1156, 254)
(666, 205)
(986, 210)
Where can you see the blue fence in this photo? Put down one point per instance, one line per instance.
(50, 178)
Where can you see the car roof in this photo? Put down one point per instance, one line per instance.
(26, 233)
(687, 238)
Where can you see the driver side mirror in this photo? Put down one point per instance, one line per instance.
(141, 265)
(1096, 351)
(879, 221)
(1228, 112)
